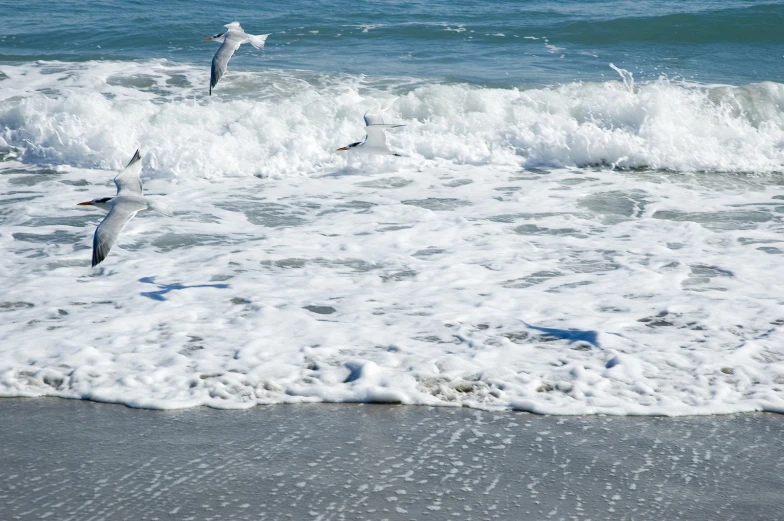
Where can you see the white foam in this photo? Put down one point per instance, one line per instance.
(279, 124)
(454, 276)
(554, 49)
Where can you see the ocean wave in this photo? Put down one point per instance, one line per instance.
(274, 123)
(759, 23)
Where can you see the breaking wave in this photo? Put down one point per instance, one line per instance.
(275, 123)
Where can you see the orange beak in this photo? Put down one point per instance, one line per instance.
(341, 148)
(207, 39)
(86, 203)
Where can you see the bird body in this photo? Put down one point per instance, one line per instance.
(122, 208)
(231, 41)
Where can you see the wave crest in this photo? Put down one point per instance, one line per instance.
(278, 124)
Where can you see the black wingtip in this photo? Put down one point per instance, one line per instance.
(136, 157)
(99, 255)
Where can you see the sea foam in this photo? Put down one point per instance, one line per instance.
(281, 123)
(512, 259)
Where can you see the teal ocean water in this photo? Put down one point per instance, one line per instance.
(494, 43)
(584, 213)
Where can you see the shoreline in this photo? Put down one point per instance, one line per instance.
(304, 401)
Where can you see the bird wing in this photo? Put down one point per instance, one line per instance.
(221, 59)
(107, 232)
(376, 138)
(375, 116)
(373, 119)
(129, 181)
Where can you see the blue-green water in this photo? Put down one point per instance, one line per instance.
(497, 43)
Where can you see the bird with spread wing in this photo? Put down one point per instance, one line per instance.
(122, 208)
(231, 39)
(375, 141)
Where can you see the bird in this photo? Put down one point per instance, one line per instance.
(122, 207)
(232, 38)
(375, 141)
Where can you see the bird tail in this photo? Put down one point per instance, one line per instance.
(257, 40)
(160, 208)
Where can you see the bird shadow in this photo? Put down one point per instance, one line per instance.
(163, 289)
(343, 172)
(572, 335)
(367, 165)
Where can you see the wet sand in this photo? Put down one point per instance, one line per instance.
(75, 460)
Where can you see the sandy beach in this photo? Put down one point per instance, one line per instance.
(78, 460)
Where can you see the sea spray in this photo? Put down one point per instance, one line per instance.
(626, 76)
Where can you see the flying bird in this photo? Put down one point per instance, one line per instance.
(122, 207)
(375, 141)
(232, 38)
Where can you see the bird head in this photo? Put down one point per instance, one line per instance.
(348, 147)
(100, 202)
(216, 38)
